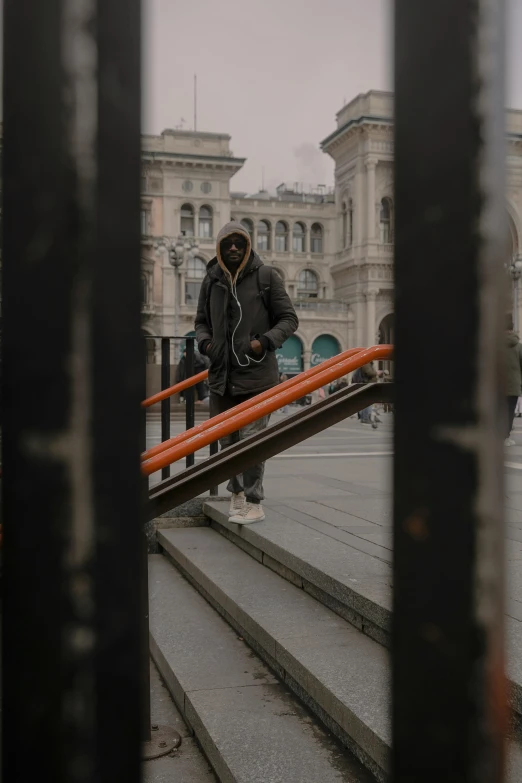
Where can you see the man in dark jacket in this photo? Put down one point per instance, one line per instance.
(244, 315)
(513, 376)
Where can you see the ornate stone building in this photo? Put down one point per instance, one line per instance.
(333, 247)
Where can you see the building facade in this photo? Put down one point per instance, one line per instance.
(333, 247)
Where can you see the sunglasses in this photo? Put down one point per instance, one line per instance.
(238, 242)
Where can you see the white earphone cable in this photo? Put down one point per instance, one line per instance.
(249, 359)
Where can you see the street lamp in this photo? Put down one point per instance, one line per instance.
(515, 271)
(179, 251)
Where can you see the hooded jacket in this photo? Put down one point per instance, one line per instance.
(232, 312)
(513, 365)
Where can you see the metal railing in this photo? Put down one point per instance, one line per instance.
(264, 404)
(152, 452)
(265, 444)
(172, 348)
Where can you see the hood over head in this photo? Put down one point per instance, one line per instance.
(233, 228)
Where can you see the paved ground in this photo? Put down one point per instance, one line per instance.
(339, 481)
(186, 765)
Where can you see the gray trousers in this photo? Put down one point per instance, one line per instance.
(251, 480)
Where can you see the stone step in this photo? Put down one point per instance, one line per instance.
(345, 573)
(338, 672)
(250, 727)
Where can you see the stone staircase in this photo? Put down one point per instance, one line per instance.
(273, 641)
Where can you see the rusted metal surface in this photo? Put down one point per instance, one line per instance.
(449, 699)
(164, 740)
(71, 312)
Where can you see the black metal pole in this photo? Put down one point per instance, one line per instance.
(189, 394)
(449, 701)
(165, 404)
(72, 513)
(214, 448)
(144, 597)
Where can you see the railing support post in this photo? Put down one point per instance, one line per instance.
(189, 394)
(449, 697)
(165, 404)
(214, 448)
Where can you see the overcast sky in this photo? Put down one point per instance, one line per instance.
(273, 74)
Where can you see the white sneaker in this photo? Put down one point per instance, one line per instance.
(252, 512)
(509, 442)
(237, 502)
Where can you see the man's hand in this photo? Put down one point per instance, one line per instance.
(256, 347)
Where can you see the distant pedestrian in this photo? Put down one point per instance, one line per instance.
(513, 358)
(200, 365)
(367, 374)
(338, 385)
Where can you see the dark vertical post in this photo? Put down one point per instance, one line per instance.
(214, 448)
(72, 386)
(449, 701)
(189, 394)
(145, 721)
(165, 404)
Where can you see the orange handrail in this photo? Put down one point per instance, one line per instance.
(176, 389)
(235, 421)
(205, 425)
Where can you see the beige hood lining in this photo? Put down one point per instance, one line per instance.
(248, 250)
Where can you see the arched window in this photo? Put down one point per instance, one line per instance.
(187, 220)
(308, 284)
(316, 238)
(196, 271)
(281, 237)
(299, 238)
(263, 235)
(386, 221)
(248, 226)
(205, 223)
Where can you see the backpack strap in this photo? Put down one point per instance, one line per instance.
(264, 285)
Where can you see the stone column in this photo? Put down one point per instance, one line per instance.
(168, 285)
(370, 202)
(359, 205)
(377, 208)
(371, 328)
(359, 327)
